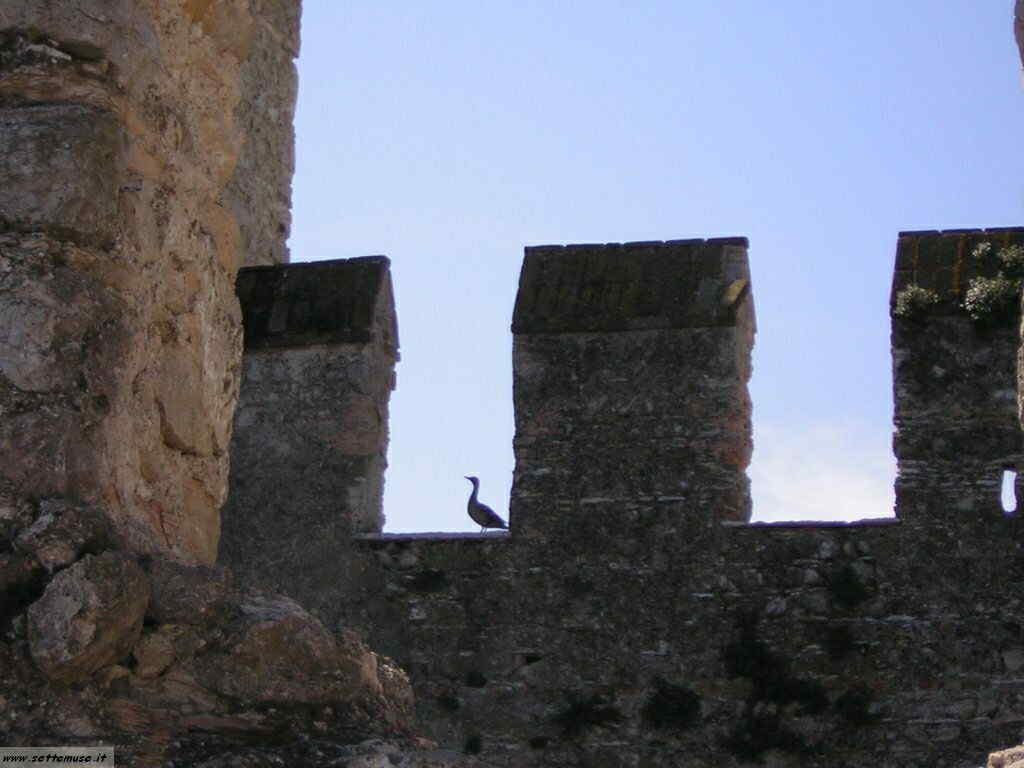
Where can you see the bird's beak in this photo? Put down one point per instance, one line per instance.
(466, 476)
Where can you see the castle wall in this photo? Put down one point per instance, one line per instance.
(634, 618)
(122, 338)
(309, 446)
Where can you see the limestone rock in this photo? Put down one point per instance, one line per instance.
(61, 165)
(184, 594)
(62, 532)
(277, 652)
(155, 652)
(395, 684)
(89, 616)
(1007, 758)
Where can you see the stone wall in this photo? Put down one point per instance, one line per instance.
(633, 617)
(310, 438)
(128, 149)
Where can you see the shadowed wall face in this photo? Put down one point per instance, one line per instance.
(630, 371)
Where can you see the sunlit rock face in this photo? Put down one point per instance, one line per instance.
(131, 197)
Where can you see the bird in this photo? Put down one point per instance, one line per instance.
(479, 512)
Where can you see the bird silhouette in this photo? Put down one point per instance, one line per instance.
(479, 512)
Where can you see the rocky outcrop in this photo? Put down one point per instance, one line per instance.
(171, 661)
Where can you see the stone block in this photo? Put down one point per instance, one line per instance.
(323, 302)
(188, 594)
(63, 532)
(62, 167)
(631, 286)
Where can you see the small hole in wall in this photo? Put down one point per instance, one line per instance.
(1009, 493)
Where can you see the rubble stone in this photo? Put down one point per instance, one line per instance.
(89, 616)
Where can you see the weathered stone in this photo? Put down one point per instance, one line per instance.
(62, 165)
(1007, 758)
(368, 754)
(155, 651)
(22, 580)
(1018, 27)
(62, 532)
(277, 652)
(89, 616)
(631, 380)
(1013, 658)
(955, 434)
(126, 209)
(16, 514)
(188, 594)
(632, 286)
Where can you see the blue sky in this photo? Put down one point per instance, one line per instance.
(448, 135)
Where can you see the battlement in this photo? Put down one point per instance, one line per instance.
(631, 581)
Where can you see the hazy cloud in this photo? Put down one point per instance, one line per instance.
(821, 472)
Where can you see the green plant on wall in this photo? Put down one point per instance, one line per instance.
(988, 300)
(992, 299)
(913, 302)
(1012, 259)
